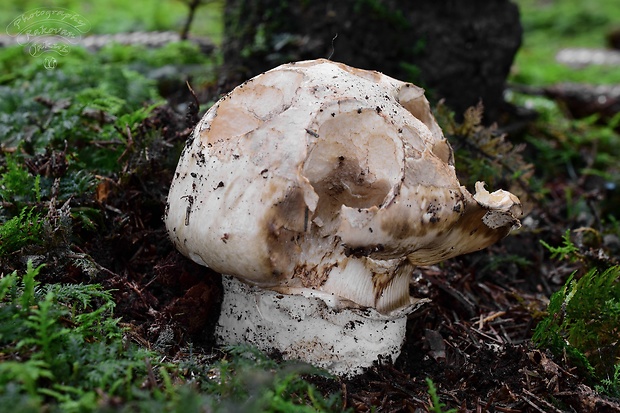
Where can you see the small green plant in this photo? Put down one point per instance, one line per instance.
(61, 346)
(247, 380)
(567, 251)
(583, 322)
(436, 405)
(178, 53)
(16, 184)
(21, 230)
(80, 107)
(611, 385)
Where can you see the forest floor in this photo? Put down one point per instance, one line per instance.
(473, 340)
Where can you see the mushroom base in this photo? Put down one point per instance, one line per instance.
(343, 341)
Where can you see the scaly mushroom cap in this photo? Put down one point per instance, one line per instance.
(320, 178)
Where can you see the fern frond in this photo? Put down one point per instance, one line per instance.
(484, 154)
(87, 295)
(20, 231)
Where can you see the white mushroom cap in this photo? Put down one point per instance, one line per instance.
(316, 176)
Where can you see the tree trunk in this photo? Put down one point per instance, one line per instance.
(460, 51)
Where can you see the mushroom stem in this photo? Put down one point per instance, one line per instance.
(342, 340)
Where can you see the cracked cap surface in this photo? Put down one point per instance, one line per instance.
(316, 175)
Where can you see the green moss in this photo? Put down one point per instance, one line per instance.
(583, 322)
(566, 146)
(63, 350)
(16, 183)
(247, 380)
(61, 346)
(75, 107)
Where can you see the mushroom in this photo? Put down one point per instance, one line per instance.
(316, 188)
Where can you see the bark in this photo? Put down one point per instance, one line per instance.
(459, 51)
